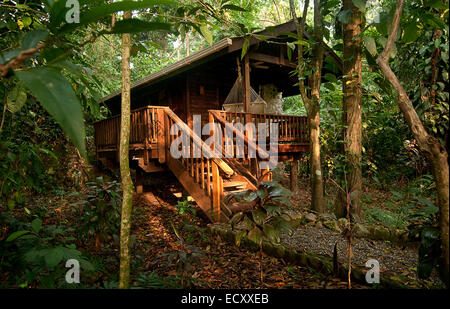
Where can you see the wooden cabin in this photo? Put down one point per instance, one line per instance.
(199, 85)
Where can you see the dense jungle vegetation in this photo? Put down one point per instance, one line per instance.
(57, 202)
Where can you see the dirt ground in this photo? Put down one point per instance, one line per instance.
(223, 265)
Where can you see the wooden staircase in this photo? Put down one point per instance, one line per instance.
(207, 178)
(207, 175)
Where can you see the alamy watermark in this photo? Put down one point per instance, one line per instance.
(73, 274)
(373, 274)
(73, 14)
(226, 143)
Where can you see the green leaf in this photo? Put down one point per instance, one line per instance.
(411, 33)
(437, 4)
(250, 196)
(27, 21)
(16, 235)
(255, 235)
(233, 8)
(245, 47)
(9, 55)
(16, 98)
(330, 77)
(204, 31)
(11, 204)
(344, 16)
(236, 219)
(370, 44)
(397, 194)
(32, 38)
(96, 13)
(36, 225)
(56, 94)
(137, 25)
(53, 256)
(239, 235)
(360, 4)
(271, 233)
(259, 216)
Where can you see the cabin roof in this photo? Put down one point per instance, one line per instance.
(224, 46)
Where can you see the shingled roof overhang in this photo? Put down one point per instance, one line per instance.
(224, 46)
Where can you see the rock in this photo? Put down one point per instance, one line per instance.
(295, 215)
(360, 230)
(315, 262)
(326, 216)
(311, 217)
(332, 225)
(381, 233)
(319, 224)
(343, 223)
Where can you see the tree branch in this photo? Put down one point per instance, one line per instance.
(20, 59)
(300, 27)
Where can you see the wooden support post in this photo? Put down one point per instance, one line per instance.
(188, 103)
(294, 175)
(139, 181)
(161, 136)
(216, 191)
(246, 84)
(212, 131)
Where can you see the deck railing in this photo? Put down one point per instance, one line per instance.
(143, 130)
(290, 128)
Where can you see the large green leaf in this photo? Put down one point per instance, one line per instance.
(233, 8)
(245, 47)
(411, 33)
(370, 44)
(16, 98)
(360, 4)
(255, 235)
(36, 225)
(32, 38)
(206, 33)
(344, 16)
(16, 235)
(56, 94)
(136, 25)
(53, 256)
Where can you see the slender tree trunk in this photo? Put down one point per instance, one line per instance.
(435, 152)
(352, 109)
(294, 176)
(188, 44)
(127, 184)
(316, 167)
(314, 117)
(312, 102)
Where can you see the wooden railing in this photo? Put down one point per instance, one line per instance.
(206, 169)
(248, 153)
(143, 130)
(290, 128)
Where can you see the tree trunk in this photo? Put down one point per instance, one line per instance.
(312, 102)
(352, 110)
(294, 175)
(316, 167)
(127, 184)
(314, 114)
(435, 152)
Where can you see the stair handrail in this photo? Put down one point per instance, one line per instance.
(250, 144)
(224, 167)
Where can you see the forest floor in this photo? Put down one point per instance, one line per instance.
(223, 265)
(157, 219)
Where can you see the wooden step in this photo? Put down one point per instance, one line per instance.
(231, 184)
